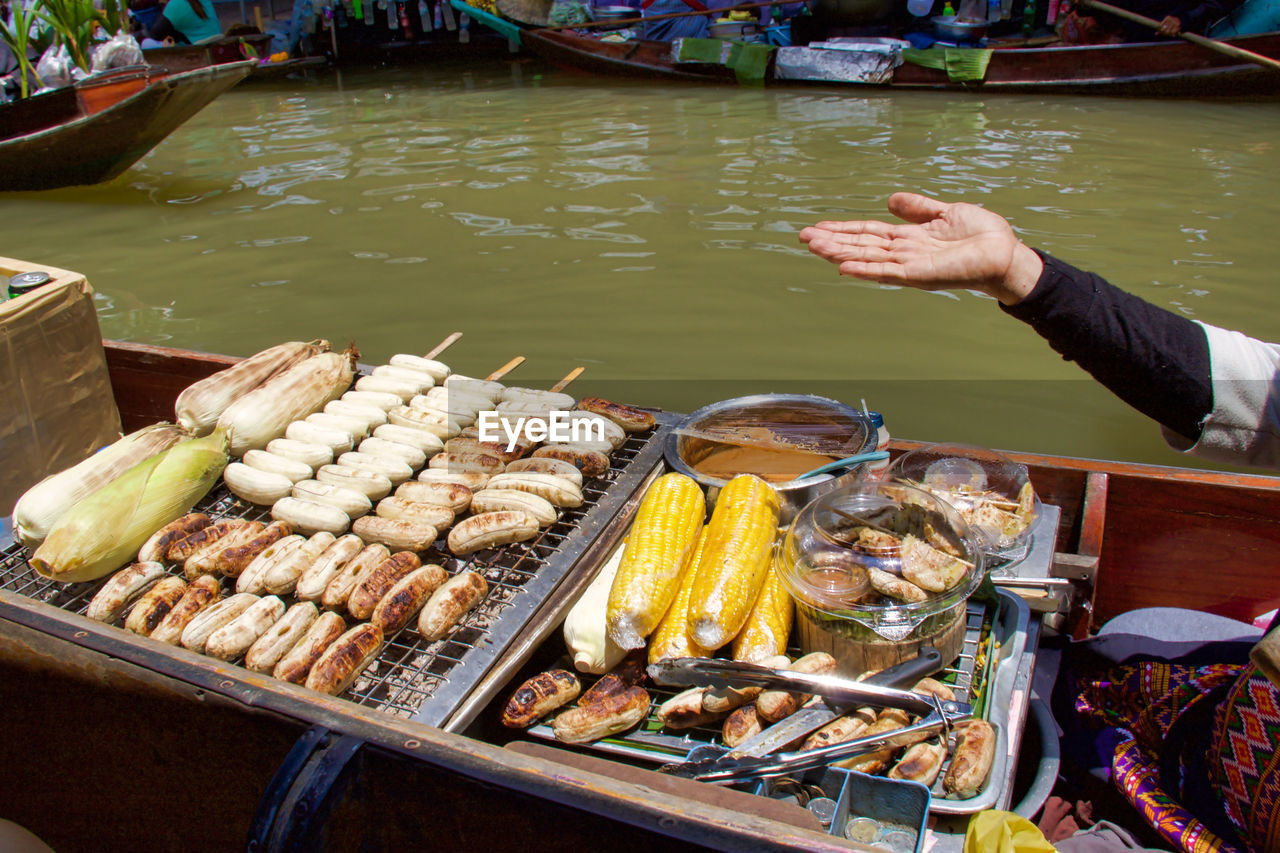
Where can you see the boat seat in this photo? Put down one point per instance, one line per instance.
(1176, 625)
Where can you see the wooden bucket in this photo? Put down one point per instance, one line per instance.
(868, 651)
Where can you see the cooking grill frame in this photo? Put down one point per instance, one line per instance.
(412, 679)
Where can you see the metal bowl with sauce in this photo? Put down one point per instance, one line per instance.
(775, 436)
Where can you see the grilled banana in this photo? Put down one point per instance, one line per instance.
(490, 530)
(310, 517)
(122, 589)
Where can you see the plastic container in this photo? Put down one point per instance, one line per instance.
(839, 548)
(990, 491)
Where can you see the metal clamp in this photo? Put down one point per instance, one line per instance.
(303, 791)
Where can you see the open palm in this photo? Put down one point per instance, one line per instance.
(942, 246)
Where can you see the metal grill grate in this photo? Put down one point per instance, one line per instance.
(411, 678)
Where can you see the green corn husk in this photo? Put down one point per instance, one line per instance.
(40, 507)
(106, 529)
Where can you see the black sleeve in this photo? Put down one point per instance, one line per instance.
(1197, 15)
(164, 28)
(1153, 359)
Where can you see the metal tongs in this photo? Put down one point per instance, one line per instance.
(750, 760)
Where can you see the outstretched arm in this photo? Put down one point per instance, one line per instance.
(1153, 359)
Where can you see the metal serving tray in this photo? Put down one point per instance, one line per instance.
(411, 678)
(1008, 661)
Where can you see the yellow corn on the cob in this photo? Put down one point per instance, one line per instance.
(672, 639)
(769, 624)
(657, 553)
(739, 544)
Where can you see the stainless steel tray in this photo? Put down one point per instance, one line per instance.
(1008, 660)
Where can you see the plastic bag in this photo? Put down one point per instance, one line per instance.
(116, 52)
(994, 831)
(55, 68)
(568, 13)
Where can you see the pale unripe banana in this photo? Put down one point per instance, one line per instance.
(354, 427)
(429, 443)
(336, 440)
(254, 485)
(310, 517)
(306, 452)
(437, 370)
(395, 470)
(422, 380)
(402, 388)
(265, 460)
(353, 503)
(410, 455)
(368, 483)
(382, 399)
(371, 415)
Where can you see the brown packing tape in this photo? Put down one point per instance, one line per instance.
(56, 404)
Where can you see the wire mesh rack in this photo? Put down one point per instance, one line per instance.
(412, 678)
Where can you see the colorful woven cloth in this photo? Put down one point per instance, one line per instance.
(1143, 702)
(1247, 769)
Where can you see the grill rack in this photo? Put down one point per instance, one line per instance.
(411, 678)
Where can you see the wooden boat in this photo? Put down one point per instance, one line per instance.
(113, 741)
(95, 130)
(1169, 68)
(184, 57)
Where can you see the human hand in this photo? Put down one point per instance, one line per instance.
(944, 246)
(1170, 26)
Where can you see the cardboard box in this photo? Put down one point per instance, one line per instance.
(56, 405)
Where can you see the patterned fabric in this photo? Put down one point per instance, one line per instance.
(1142, 702)
(1247, 769)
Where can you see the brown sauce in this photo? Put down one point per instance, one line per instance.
(776, 466)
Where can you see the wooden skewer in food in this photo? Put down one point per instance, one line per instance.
(443, 345)
(569, 377)
(505, 369)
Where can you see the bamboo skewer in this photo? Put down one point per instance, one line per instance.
(505, 369)
(444, 345)
(572, 375)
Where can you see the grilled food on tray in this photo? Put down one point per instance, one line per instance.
(324, 456)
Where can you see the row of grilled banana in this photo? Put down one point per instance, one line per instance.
(297, 643)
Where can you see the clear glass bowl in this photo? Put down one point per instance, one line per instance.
(990, 491)
(845, 554)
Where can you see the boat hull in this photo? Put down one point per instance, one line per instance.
(117, 122)
(101, 725)
(1164, 69)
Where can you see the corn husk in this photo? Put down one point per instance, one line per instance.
(201, 403)
(103, 531)
(262, 414)
(40, 507)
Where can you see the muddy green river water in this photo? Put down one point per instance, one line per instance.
(648, 233)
